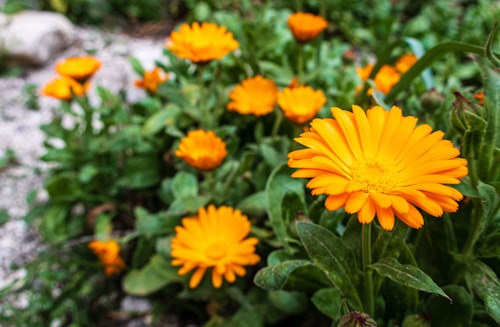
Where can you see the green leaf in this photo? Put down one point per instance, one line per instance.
(154, 276)
(188, 204)
(161, 119)
(418, 49)
(184, 185)
(407, 275)
(54, 224)
(155, 224)
(4, 216)
(328, 300)
(334, 258)
(141, 172)
(136, 65)
(290, 302)
(486, 285)
(275, 277)
(278, 186)
(63, 187)
(254, 205)
(489, 246)
(443, 313)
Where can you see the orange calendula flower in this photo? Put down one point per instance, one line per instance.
(305, 26)
(202, 150)
(216, 239)
(385, 79)
(201, 43)
(479, 96)
(109, 255)
(301, 104)
(379, 163)
(255, 96)
(405, 62)
(63, 88)
(151, 80)
(78, 68)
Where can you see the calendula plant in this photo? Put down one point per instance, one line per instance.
(274, 174)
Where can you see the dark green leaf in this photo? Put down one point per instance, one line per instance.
(407, 275)
(254, 205)
(141, 172)
(328, 300)
(184, 184)
(275, 277)
(443, 313)
(334, 258)
(155, 224)
(289, 302)
(4, 216)
(161, 119)
(487, 286)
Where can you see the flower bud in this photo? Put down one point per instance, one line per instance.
(458, 117)
(432, 100)
(416, 321)
(356, 319)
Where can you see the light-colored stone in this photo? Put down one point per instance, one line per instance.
(34, 37)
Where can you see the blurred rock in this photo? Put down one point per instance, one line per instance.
(34, 37)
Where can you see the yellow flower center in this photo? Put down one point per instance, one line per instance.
(216, 251)
(376, 176)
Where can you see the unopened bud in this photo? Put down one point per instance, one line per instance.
(432, 100)
(458, 117)
(356, 319)
(416, 321)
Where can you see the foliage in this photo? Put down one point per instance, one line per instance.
(115, 174)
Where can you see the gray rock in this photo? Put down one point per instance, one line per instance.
(34, 37)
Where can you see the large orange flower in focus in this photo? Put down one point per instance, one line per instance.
(377, 163)
(305, 26)
(255, 96)
(201, 43)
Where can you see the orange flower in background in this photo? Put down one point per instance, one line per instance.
(479, 96)
(385, 79)
(255, 96)
(301, 104)
(78, 68)
(305, 26)
(202, 150)
(151, 80)
(404, 63)
(201, 43)
(108, 253)
(378, 163)
(216, 239)
(63, 88)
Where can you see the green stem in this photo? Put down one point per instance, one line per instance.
(277, 123)
(366, 257)
(300, 61)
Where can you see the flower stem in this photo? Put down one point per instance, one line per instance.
(366, 257)
(300, 61)
(277, 123)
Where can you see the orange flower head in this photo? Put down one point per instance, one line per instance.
(385, 79)
(214, 239)
(108, 253)
(202, 150)
(78, 68)
(255, 96)
(201, 43)
(301, 104)
(479, 96)
(404, 63)
(364, 72)
(63, 88)
(379, 163)
(305, 26)
(151, 80)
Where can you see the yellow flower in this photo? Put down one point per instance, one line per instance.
(255, 96)
(305, 26)
(405, 62)
(379, 163)
(301, 103)
(151, 80)
(63, 88)
(78, 68)
(108, 253)
(216, 239)
(385, 79)
(202, 150)
(201, 43)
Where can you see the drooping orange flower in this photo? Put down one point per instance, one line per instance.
(254, 96)
(385, 79)
(378, 163)
(151, 80)
(305, 26)
(63, 88)
(202, 150)
(301, 104)
(78, 68)
(404, 63)
(215, 239)
(201, 43)
(108, 253)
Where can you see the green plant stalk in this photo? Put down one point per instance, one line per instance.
(300, 61)
(207, 119)
(366, 257)
(277, 123)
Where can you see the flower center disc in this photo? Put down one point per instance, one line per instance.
(216, 251)
(376, 176)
